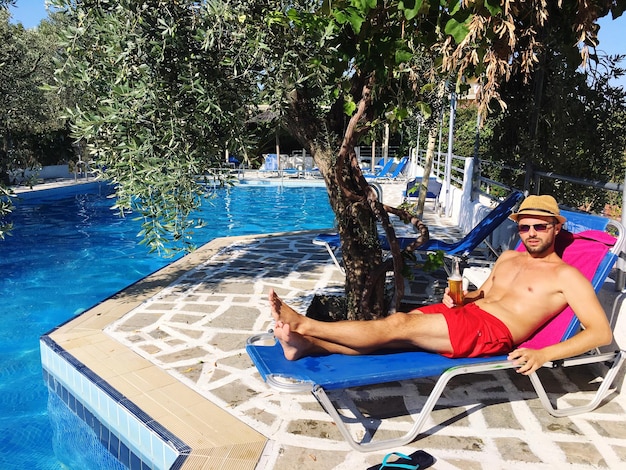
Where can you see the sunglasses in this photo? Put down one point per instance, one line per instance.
(523, 228)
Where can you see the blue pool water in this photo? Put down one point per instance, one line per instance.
(67, 252)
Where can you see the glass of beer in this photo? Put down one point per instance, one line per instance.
(455, 283)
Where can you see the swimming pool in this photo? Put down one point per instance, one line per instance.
(69, 251)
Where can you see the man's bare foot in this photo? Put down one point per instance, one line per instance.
(283, 313)
(294, 345)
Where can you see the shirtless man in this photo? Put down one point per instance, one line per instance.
(524, 290)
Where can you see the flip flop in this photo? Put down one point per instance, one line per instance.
(417, 460)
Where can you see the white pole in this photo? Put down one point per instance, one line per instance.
(449, 155)
(280, 169)
(416, 155)
(419, 131)
(439, 144)
(386, 143)
(621, 264)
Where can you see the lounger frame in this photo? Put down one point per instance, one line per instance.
(614, 359)
(445, 369)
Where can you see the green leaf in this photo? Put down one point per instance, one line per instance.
(454, 7)
(293, 15)
(340, 16)
(433, 261)
(493, 6)
(458, 30)
(402, 113)
(356, 20)
(349, 107)
(410, 8)
(424, 109)
(403, 56)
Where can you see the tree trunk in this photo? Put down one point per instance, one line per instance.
(362, 255)
(357, 210)
(428, 165)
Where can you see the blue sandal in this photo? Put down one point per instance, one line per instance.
(417, 460)
(396, 464)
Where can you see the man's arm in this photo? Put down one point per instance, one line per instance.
(473, 296)
(581, 297)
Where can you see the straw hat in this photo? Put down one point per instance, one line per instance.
(538, 205)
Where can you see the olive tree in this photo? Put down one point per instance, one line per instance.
(27, 112)
(162, 96)
(5, 202)
(170, 85)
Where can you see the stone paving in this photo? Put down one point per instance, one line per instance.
(196, 330)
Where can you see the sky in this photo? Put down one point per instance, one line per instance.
(612, 32)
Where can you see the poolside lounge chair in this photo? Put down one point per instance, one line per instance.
(338, 372)
(270, 164)
(461, 248)
(291, 172)
(383, 172)
(377, 166)
(433, 189)
(398, 170)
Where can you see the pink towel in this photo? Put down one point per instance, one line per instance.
(585, 251)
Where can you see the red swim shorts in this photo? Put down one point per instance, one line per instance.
(473, 332)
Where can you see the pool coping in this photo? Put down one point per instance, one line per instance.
(215, 438)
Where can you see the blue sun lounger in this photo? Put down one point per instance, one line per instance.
(372, 171)
(461, 248)
(270, 164)
(433, 189)
(592, 251)
(397, 171)
(382, 173)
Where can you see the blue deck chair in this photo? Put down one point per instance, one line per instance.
(379, 165)
(320, 375)
(291, 172)
(383, 172)
(397, 171)
(433, 189)
(461, 248)
(270, 164)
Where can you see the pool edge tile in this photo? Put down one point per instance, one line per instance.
(91, 324)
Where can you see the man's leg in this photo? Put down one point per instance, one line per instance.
(296, 345)
(304, 336)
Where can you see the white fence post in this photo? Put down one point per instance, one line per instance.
(449, 155)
